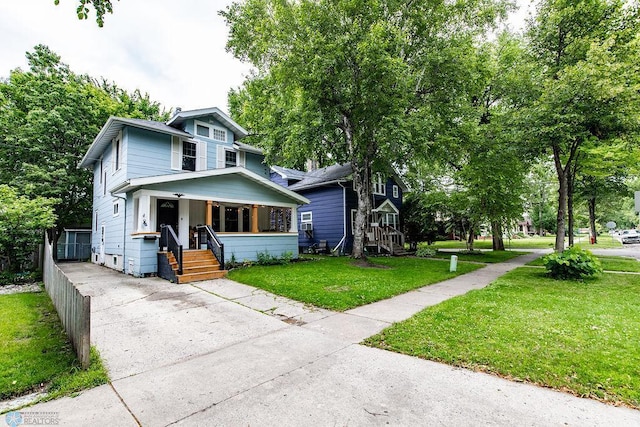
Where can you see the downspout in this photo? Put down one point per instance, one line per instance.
(344, 223)
(124, 232)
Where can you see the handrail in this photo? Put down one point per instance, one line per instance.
(169, 240)
(386, 236)
(206, 234)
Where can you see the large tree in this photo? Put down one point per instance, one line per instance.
(367, 82)
(48, 118)
(587, 54)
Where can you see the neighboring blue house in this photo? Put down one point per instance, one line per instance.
(192, 180)
(331, 213)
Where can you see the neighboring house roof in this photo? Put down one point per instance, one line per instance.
(115, 125)
(287, 173)
(135, 183)
(324, 176)
(181, 116)
(328, 175)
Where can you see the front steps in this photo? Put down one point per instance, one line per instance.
(197, 265)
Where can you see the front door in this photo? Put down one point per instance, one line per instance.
(167, 214)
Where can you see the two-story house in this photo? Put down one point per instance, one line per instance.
(330, 216)
(162, 190)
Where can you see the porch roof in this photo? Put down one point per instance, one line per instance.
(136, 183)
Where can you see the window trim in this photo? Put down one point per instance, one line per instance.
(396, 191)
(226, 151)
(212, 128)
(116, 208)
(303, 220)
(379, 186)
(116, 152)
(183, 155)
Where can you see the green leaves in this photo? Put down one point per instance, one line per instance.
(573, 263)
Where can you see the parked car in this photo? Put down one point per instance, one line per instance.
(629, 236)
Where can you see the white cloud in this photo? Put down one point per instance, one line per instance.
(173, 50)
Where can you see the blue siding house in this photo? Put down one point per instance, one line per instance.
(192, 179)
(330, 215)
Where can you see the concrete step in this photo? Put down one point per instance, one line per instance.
(196, 277)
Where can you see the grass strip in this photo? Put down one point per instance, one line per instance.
(578, 336)
(337, 283)
(36, 350)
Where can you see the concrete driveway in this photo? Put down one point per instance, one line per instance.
(199, 355)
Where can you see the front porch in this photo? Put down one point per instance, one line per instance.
(245, 212)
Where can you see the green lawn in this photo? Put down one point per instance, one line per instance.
(609, 263)
(546, 242)
(487, 257)
(569, 335)
(35, 350)
(338, 284)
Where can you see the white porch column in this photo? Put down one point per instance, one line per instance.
(183, 222)
(144, 214)
(294, 220)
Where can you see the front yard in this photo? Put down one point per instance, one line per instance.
(337, 283)
(35, 350)
(580, 337)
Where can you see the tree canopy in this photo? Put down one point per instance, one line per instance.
(366, 82)
(587, 56)
(48, 118)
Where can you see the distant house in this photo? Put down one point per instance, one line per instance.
(328, 220)
(167, 196)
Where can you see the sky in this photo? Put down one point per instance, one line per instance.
(173, 50)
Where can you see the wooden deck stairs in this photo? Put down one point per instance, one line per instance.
(197, 265)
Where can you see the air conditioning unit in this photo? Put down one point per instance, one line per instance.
(306, 226)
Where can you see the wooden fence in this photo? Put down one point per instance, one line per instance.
(74, 309)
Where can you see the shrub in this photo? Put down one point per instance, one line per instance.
(426, 252)
(572, 263)
(265, 258)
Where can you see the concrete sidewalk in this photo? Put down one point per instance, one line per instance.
(208, 355)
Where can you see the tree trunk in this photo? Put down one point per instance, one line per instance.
(471, 237)
(496, 232)
(592, 218)
(571, 218)
(362, 186)
(562, 199)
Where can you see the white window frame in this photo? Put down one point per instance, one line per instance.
(379, 186)
(116, 152)
(396, 192)
(306, 220)
(116, 208)
(176, 153)
(225, 158)
(212, 131)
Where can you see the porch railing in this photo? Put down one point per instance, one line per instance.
(385, 237)
(208, 236)
(169, 240)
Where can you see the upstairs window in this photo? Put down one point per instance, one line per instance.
(188, 156)
(396, 192)
(116, 152)
(230, 159)
(379, 185)
(202, 130)
(209, 131)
